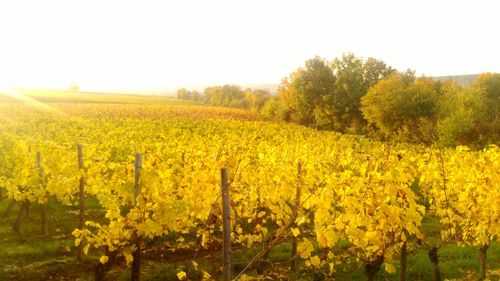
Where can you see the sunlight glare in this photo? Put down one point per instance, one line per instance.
(28, 101)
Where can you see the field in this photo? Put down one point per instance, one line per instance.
(345, 205)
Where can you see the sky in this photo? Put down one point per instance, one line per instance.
(134, 45)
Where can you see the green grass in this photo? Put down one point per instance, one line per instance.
(32, 256)
(454, 261)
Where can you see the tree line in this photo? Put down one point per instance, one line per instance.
(228, 96)
(365, 96)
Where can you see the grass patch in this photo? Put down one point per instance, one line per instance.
(31, 256)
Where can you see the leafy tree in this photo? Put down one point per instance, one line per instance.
(350, 86)
(374, 70)
(256, 99)
(197, 96)
(401, 109)
(354, 78)
(308, 94)
(227, 95)
(488, 130)
(328, 95)
(491, 83)
(461, 110)
(74, 87)
(233, 96)
(184, 94)
(274, 109)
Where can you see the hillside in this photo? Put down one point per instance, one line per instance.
(463, 79)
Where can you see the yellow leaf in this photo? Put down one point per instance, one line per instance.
(321, 238)
(86, 249)
(295, 232)
(371, 235)
(104, 259)
(305, 248)
(206, 275)
(315, 261)
(195, 264)
(300, 220)
(390, 268)
(331, 237)
(181, 275)
(128, 258)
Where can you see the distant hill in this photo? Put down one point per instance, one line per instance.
(462, 79)
(272, 88)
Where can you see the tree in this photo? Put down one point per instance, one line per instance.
(328, 95)
(183, 94)
(399, 108)
(308, 94)
(256, 99)
(274, 109)
(491, 83)
(350, 86)
(74, 87)
(488, 129)
(461, 110)
(196, 96)
(354, 78)
(374, 70)
(227, 95)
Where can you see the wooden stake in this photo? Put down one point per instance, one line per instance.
(434, 258)
(138, 168)
(136, 263)
(403, 261)
(293, 266)
(226, 223)
(43, 207)
(81, 202)
(483, 250)
(24, 205)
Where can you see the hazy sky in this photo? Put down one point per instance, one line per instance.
(151, 44)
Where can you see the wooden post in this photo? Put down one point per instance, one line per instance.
(483, 250)
(43, 212)
(138, 168)
(102, 269)
(23, 209)
(28, 209)
(403, 260)
(136, 263)
(43, 207)
(434, 258)
(81, 202)
(371, 268)
(226, 222)
(293, 266)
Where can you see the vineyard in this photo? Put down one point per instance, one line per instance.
(137, 188)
